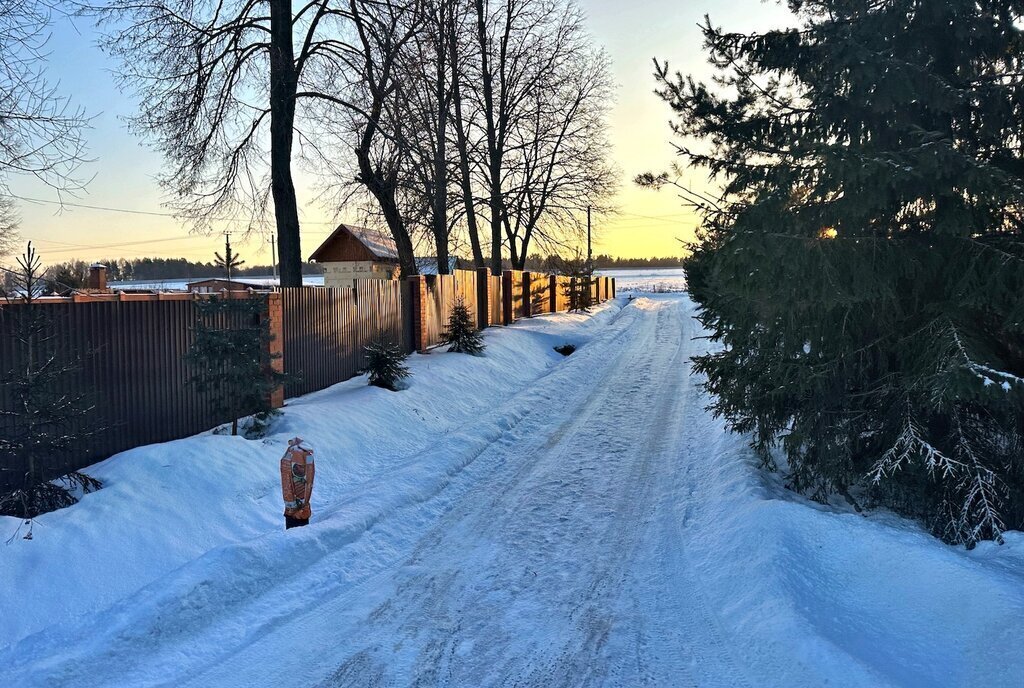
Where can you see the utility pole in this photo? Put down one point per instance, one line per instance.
(590, 254)
(273, 253)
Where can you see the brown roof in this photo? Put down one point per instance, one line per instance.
(351, 243)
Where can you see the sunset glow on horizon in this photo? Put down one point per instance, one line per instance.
(648, 223)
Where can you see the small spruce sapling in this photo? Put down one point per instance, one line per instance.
(578, 291)
(231, 359)
(385, 363)
(461, 335)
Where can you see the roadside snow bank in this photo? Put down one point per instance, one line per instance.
(866, 600)
(213, 502)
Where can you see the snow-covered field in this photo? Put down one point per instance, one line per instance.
(182, 284)
(654, 280)
(647, 280)
(516, 519)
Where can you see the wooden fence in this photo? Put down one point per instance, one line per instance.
(129, 349)
(438, 295)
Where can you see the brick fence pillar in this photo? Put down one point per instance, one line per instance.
(275, 318)
(418, 290)
(506, 298)
(483, 297)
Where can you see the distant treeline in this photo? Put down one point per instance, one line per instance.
(74, 272)
(606, 261)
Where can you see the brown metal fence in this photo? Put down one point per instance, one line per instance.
(441, 293)
(130, 350)
(540, 293)
(495, 300)
(518, 300)
(326, 330)
(128, 366)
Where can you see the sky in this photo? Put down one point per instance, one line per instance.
(123, 171)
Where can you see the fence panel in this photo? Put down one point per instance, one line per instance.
(326, 330)
(379, 314)
(518, 298)
(317, 351)
(540, 293)
(495, 300)
(563, 285)
(127, 365)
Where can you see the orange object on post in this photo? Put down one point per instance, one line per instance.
(297, 473)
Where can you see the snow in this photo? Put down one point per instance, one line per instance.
(182, 284)
(653, 280)
(377, 242)
(518, 518)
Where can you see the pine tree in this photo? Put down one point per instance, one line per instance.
(385, 363)
(462, 335)
(579, 289)
(864, 265)
(41, 421)
(231, 359)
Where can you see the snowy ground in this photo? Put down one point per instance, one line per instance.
(651, 280)
(512, 520)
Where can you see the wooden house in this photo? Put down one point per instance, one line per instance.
(351, 253)
(356, 253)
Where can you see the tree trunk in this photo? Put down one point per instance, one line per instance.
(440, 210)
(493, 156)
(283, 82)
(462, 145)
(383, 190)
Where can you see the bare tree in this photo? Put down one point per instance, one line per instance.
(558, 166)
(363, 112)
(8, 226)
(40, 131)
(461, 57)
(453, 111)
(543, 95)
(427, 95)
(220, 82)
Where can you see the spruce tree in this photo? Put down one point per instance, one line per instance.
(385, 364)
(581, 274)
(864, 265)
(231, 359)
(462, 335)
(43, 421)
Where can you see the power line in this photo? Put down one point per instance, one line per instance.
(92, 207)
(151, 213)
(127, 243)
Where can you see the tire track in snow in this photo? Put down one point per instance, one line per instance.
(552, 548)
(238, 596)
(528, 562)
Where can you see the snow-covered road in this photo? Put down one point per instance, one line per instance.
(553, 560)
(596, 527)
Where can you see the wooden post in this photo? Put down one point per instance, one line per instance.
(553, 293)
(527, 294)
(483, 297)
(419, 312)
(506, 297)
